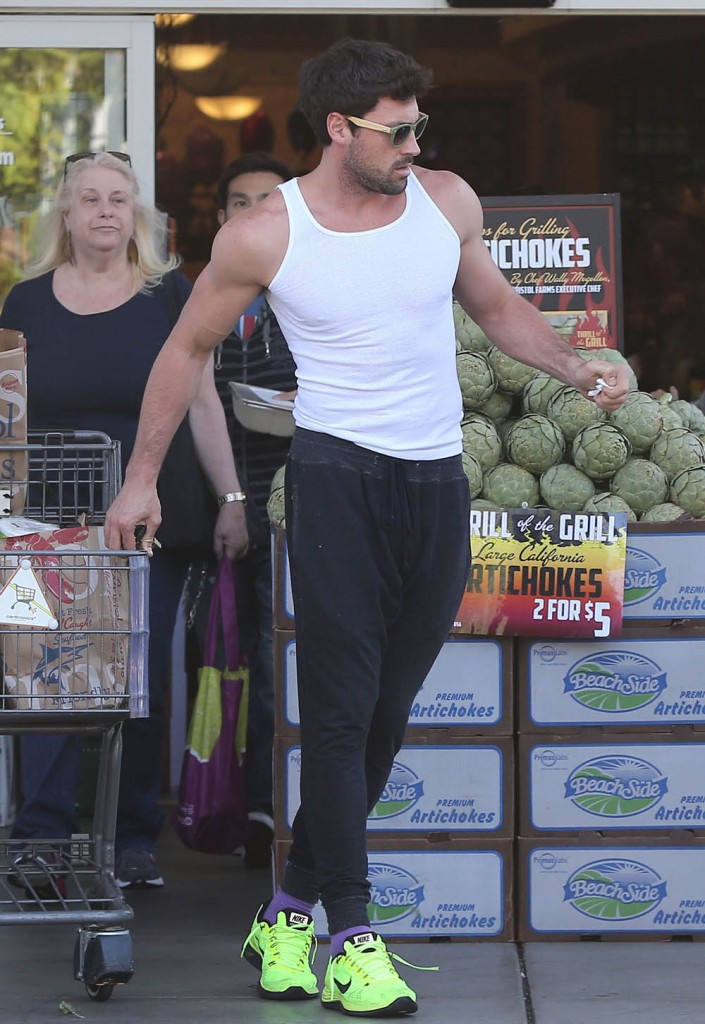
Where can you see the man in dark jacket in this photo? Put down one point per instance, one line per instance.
(254, 353)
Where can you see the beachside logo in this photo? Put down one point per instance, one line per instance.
(643, 576)
(616, 786)
(615, 681)
(614, 889)
(404, 788)
(394, 893)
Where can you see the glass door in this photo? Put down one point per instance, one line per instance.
(67, 85)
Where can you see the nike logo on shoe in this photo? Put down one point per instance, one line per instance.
(303, 920)
(343, 986)
(362, 939)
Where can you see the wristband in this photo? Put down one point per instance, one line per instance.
(226, 499)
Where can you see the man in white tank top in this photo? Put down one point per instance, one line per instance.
(361, 259)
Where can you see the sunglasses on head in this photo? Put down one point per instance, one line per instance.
(398, 133)
(75, 157)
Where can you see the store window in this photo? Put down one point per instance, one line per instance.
(67, 84)
(52, 103)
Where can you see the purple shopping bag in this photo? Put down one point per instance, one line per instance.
(211, 813)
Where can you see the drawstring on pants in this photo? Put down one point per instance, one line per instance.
(400, 508)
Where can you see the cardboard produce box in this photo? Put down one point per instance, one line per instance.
(648, 679)
(626, 784)
(633, 889)
(421, 890)
(283, 600)
(453, 790)
(65, 622)
(469, 687)
(663, 574)
(13, 421)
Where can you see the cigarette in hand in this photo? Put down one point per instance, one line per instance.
(599, 385)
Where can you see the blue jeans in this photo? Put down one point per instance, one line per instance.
(254, 613)
(50, 765)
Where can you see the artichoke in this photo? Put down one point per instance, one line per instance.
(572, 412)
(510, 487)
(641, 483)
(600, 450)
(534, 442)
(565, 487)
(476, 378)
(640, 419)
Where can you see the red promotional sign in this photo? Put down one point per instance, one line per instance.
(540, 573)
(563, 254)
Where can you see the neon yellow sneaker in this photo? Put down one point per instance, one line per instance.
(362, 980)
(283, 952)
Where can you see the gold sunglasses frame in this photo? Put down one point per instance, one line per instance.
(392, 131)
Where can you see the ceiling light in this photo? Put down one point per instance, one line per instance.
(228, 108)
(190, 56)
(172, 20)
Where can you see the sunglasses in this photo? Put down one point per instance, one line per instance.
(75, 157)
(398, 133)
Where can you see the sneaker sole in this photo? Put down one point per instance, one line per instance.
(400, 1007)
(289, 995)
(141, 883)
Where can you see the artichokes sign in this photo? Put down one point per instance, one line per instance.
(538, 572)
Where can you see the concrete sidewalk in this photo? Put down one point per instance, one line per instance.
(187, 968)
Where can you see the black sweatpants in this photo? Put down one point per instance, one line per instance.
(379, 556)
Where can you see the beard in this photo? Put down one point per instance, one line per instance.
(360, 176)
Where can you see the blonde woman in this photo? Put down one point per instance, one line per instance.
(95, 311)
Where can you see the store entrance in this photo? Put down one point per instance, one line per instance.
(522, 105)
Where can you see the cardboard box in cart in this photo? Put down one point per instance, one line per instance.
(422, 890)
(469, 687)
(13, 420)
(76, 655)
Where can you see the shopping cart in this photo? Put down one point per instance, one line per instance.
(85, 676)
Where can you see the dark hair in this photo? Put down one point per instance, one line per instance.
(352, 76)
(250, 163)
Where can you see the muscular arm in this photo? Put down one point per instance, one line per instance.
(241, 265)
(509, 320)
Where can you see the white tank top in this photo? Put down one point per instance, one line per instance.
(368, 318)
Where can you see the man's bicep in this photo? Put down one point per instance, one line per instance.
(480, 286)
(218, 299)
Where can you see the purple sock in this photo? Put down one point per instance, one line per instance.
(283, 901)
(337, 940)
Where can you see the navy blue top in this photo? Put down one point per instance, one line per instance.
(263, 359)
(88, 372)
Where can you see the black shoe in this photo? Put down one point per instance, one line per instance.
(138, 869)
(43, 877)
(258, 848)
